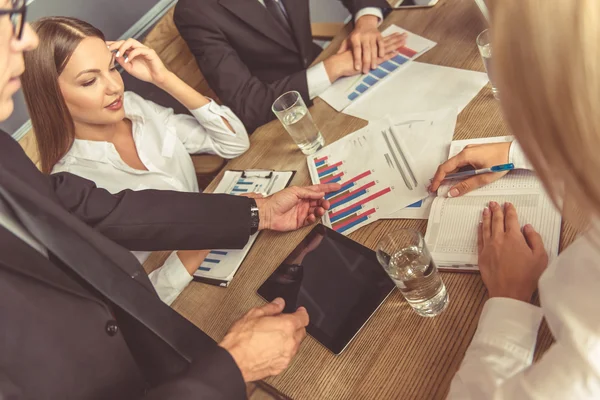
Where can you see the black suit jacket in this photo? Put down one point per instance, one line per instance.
(247, 58)
(85, 322)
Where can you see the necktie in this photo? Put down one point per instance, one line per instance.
(276, 9)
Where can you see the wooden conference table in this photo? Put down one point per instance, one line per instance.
(397, 355)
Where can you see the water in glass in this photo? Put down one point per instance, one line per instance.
(299, 124)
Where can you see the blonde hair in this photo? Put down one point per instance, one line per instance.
(546, 56)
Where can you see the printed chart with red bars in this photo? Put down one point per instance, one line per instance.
(347, 90)
(371, 187)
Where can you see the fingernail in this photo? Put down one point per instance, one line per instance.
(279, 301)
(508, 204)
(126, 59)
(301, 309)
(493, 205)
(453, 193)
(528, 228)
(486, 211)
(118, 54)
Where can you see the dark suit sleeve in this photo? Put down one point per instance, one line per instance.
(157, 219)
(8, 390)
(355, 6)
(248, 97)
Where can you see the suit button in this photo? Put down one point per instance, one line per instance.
(112, 328)
(305, 61)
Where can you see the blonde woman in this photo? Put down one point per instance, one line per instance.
(547, 65)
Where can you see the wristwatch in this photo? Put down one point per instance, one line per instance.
(254, 217)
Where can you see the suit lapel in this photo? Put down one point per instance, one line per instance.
(85, 253)
(259, 18)
(299, 15)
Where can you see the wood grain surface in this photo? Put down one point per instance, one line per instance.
(398, 355)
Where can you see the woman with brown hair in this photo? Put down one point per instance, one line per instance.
(547, 68)
(86, 124)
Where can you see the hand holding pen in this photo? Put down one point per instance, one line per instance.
(483, 158)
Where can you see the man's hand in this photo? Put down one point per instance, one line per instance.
(366, 43)
(264, 341)
(510, 261)
(342, 63)
(294, 207)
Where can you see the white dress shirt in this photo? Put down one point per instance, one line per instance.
(498, 363)
(316, 76)
(164, 142)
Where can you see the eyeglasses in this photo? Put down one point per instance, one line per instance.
(17, 16)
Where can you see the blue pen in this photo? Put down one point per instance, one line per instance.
(495, 168)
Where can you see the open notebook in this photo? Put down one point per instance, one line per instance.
(453, 222)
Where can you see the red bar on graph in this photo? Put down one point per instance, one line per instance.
(357, 178)
(332, 177)
(326, 167)
(363, 187)
(363, 201)
(408, 52)
(318, 160)
(345, 222)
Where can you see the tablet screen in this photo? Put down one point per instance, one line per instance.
(339, 281)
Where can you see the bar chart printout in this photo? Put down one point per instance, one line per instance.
(355, 204)
(220, 266)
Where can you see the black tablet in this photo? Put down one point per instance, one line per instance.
(339, 281)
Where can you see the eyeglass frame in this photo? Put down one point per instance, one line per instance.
(17, 30)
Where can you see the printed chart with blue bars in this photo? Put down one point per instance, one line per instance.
(220, 266)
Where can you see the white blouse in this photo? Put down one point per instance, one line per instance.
(499, 362)
(164, 142)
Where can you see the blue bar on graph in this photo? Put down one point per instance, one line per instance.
(399, 59)
(380, 73)
(350, 198)
(244, 183)
(353, 96)
(343, 189)
(203, 269)
(239, 189)
(320, 163)
(211, 260)
(345, 214)
(416, 205)
(369, 80)
(327, 171)
(219, 252)
(335, 180)
(352, 225)
(388, 66)
(361, 88)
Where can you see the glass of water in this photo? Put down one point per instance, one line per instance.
(293, 114)
(404, 256)
(485, 49)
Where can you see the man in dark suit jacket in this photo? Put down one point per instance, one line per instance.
(253, 51)
(78, 315)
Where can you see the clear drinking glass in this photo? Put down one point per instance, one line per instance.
(485, 49)
(404, 256)
(294, 115)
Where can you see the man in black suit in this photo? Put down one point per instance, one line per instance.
(78, 315)
(253, 51)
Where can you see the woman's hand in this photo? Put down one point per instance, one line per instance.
(510, 261)
(140, 61)
(478, 156)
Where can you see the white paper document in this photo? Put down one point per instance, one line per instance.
(419, 88)
(220, 266)
(382, 168)
(453, 222)
(348, 90)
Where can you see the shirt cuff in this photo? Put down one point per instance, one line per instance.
(369, 11)
(511, 325)
(212, 114)
(517, 157)
(317, 79)
(170, 279)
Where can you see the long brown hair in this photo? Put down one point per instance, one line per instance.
(52, 123)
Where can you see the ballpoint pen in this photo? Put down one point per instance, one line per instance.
(495, 168)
